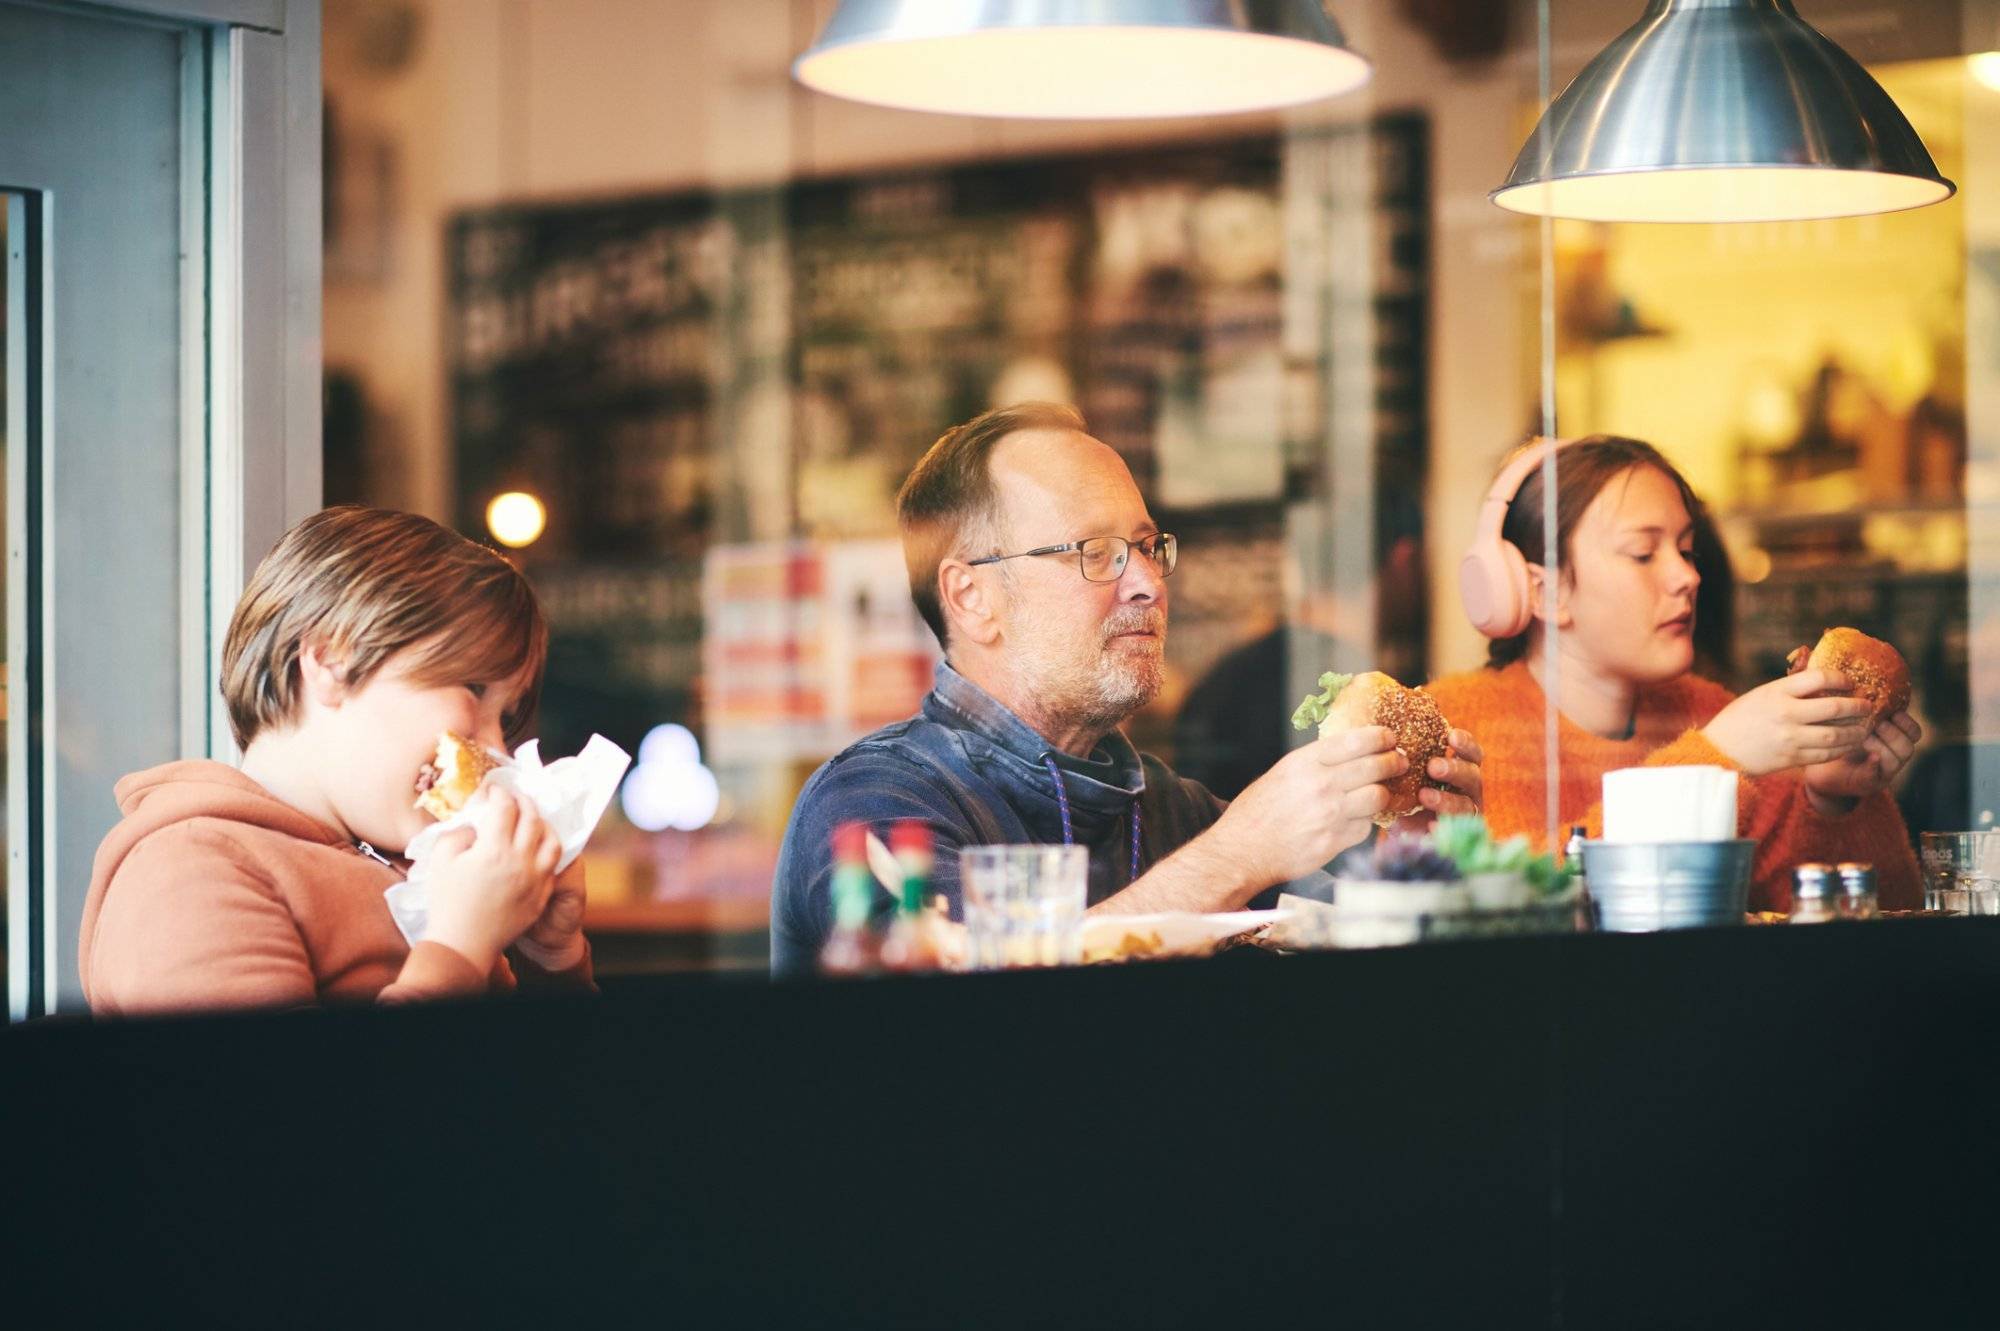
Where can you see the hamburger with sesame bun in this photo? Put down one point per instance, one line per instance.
(1875, 669)
(1346, 702)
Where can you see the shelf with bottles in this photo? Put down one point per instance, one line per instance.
(1912, 539)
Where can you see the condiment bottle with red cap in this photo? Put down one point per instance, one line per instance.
(910, 945)
(852, 948)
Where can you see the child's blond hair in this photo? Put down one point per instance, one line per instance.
(368, 583)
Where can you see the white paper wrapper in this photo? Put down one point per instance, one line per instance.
(1655, 804)
(572, 794)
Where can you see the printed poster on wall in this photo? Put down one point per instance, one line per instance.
(809, 647)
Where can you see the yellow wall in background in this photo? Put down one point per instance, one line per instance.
(1749, 311)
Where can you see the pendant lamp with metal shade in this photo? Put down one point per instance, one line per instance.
(1722, 111)
(1082, 59)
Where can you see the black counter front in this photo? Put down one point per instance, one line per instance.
(1768, 1126)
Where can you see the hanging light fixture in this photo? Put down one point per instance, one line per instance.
(1082, 59)
(1722, 111)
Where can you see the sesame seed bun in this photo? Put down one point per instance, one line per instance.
(1877, 670)
(1374, 699)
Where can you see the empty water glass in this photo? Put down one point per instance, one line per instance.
(1024, 904)
(1961, 872)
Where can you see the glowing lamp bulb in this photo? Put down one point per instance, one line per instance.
(516, 518)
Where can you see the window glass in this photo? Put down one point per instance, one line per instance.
(698, 323)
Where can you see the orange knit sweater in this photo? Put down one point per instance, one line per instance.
(1503, 710)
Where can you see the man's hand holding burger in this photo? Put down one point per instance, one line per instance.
(1384, 752)
(1314, 803)
(1460, 787)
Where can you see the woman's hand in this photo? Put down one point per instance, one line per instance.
(491, 881)
(1798, 721)
(1835, 787)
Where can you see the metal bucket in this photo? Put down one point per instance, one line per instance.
(1640, 887)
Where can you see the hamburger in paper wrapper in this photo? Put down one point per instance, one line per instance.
(571, 793)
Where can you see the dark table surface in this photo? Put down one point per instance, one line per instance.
(1752, 1126)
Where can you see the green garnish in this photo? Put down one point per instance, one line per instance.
(1314, 709)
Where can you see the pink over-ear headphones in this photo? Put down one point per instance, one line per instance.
(1493, 576)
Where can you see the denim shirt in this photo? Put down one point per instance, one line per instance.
(976, 774)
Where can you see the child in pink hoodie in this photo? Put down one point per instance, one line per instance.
(361, 637)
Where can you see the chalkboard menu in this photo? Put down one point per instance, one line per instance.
(680, 374)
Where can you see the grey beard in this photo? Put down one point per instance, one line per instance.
(1114, 696)
(1098, 694)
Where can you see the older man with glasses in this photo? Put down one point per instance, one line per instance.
(1033, 558)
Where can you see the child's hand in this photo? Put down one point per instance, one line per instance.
(485, 891)
(555, 934)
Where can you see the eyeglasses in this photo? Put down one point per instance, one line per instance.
(1103, 558)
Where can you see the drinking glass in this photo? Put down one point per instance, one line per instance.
(1961, 872)
(1023, 904)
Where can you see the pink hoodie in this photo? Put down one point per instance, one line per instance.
(213, 893)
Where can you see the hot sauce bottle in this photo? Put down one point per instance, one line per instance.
(852, 948)
(911, 945)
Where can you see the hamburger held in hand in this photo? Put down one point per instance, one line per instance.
(1875, 669)
(447, 781)
(1373, 699)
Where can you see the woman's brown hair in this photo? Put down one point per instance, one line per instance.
(1583, 468)
(369, 583)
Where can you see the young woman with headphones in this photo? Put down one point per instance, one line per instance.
(1814, 777)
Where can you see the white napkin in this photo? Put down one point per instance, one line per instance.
(572, 793)
(1653, 804)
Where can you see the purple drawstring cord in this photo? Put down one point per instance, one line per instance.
(1069, 833)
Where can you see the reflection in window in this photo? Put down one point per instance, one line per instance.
(1810, 379)
(688, 355)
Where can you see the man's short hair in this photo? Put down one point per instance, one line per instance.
(368, 583)
(948, 507)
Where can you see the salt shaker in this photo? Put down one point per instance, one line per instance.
(1812, 894)
(1858, 900)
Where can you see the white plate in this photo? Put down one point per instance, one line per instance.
(1169, 934)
